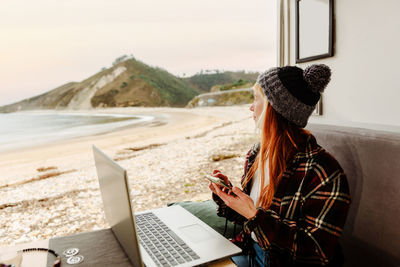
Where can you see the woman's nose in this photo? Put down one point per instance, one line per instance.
(252, 107)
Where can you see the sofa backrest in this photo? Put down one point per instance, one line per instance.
(371, 161)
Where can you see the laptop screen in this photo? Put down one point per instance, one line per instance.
(117, 204)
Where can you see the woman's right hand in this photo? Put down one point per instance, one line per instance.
(218, 174)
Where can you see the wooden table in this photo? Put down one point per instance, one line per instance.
(99, 248)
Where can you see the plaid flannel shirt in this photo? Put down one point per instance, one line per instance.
(308, 211)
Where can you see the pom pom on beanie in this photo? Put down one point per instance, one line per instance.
(317, 76)
(293, 92)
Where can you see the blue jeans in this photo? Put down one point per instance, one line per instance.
(259, 259)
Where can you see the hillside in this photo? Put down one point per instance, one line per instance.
(223, 98)
(230, 86)
(128, 83)
(204, 81)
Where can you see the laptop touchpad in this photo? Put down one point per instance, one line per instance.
(195, 232)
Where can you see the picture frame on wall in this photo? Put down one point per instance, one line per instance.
(314, 29)
(318, 109)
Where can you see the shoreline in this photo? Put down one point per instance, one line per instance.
(93, 129)
(53, 190)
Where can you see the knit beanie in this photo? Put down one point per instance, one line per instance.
(294, 93)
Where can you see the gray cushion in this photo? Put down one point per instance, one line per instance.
(371, 161)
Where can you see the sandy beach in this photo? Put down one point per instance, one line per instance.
(52, 190)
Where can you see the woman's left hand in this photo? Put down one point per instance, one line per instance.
(240, 202)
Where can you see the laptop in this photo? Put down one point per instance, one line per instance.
(169, 236)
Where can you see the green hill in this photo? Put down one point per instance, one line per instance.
(128, 83)
(205, 81)
(230, 86)
(142, 85)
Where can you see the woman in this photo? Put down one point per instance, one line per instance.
(295, 195)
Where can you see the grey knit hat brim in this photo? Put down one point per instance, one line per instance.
(282, 100)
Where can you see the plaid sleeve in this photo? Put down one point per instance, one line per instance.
(310, 234)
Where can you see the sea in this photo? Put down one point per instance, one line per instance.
(28, 129)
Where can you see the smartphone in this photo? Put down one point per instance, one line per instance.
(217, 181)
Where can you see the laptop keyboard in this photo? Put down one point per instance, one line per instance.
(163, 245)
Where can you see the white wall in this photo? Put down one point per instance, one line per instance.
(365, 86)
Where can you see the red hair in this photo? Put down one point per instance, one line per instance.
(280, 141)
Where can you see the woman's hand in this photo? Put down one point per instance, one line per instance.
(240, 202)
(218, 174)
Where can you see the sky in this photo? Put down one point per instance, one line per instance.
(47, 43)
